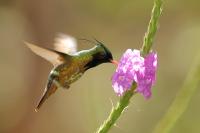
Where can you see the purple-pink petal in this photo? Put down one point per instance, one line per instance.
(133, 67)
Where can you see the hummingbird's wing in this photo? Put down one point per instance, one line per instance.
(52, 56)
(65, 44)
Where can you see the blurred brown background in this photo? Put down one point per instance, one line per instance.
(120, 24)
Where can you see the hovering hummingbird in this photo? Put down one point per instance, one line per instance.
(68, 64)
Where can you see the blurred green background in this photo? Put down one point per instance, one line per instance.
(120, 24)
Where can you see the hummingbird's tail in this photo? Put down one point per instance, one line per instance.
(42, 100)
(51, 88)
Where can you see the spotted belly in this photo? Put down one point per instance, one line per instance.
(74, 77)
(68, 74)
(69, 80)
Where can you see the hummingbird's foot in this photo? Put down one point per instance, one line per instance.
(66, 86)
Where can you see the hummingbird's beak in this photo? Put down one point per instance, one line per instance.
(114, 62)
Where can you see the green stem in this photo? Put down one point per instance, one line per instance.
(147, 44)
(181, 101)
(117, 111)
(152, 28)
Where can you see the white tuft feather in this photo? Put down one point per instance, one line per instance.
(66, 44)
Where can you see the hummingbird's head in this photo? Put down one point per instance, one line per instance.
(100, 55)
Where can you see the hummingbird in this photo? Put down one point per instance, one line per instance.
(68, 63)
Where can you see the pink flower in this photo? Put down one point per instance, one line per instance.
(133, 67)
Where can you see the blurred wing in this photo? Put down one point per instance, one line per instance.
(66, 44)
(54, 57)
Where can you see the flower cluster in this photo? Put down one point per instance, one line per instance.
(133, 67)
